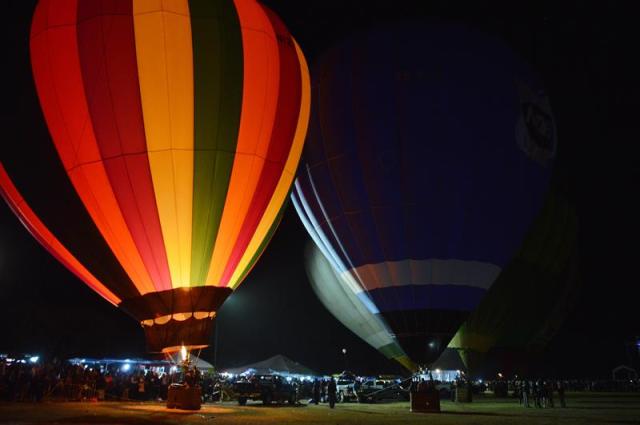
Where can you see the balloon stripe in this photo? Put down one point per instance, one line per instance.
(165, 69)
(431, 272)
(218, 74)
(108, 61)
(258, 253)
(57, 72)
(38, 229)
(286, 179)
(282, 137)
(259, 101)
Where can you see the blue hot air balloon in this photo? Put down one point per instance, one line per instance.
(428, 155)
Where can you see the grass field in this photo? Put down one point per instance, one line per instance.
(584, 408)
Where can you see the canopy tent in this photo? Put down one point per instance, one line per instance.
(196, 361)
(200, 364)
(278, 364)
(449, 360)
(624, 373)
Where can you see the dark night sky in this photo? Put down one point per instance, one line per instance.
(585, 53)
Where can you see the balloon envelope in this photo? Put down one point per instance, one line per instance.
(428, 156)
(528, 302)
(348, 308)
(177, 128)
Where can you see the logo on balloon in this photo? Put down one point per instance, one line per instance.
(535, 128)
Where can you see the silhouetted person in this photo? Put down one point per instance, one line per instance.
(549, 394)
(537, 393)
(526, 391)
(560, 386)
(316, 391)
(331, 393)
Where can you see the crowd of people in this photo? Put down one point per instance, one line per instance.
(69, 382)
(541, 392)
(516, 386)
(63, 381)
(324, 390)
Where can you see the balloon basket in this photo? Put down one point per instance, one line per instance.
(425, 402)
(464, 395)
(181, 396)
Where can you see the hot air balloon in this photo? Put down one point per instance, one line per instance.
(507, 329)
(344, 304)
(177, 127)
(428, 156)
(530, 299)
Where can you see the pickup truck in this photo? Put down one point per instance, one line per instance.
(267, 388)
(345, 390)
(381, 390)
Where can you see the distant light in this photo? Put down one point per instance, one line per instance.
(34, 359)
(288, 379)
(432, 344)
(344, 351)
(458, 371)
(126, 367)
(437, 370)
(480, 381)
(499, 375)
(173, 368)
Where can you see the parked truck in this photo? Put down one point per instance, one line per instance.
(265, 388)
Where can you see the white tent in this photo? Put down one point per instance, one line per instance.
(624, 373)
(202, 365)
(278, 364)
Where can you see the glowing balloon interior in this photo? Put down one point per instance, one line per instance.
(177, 127)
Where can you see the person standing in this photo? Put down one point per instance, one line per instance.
(141, 388)
(526, 391)
(549, 385)
(316, 391)
(331, 392)
(537, 393)
(560, 386)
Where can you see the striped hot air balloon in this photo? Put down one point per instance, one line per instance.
(176, 127)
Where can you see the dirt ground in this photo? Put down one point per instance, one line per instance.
(585, 408)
